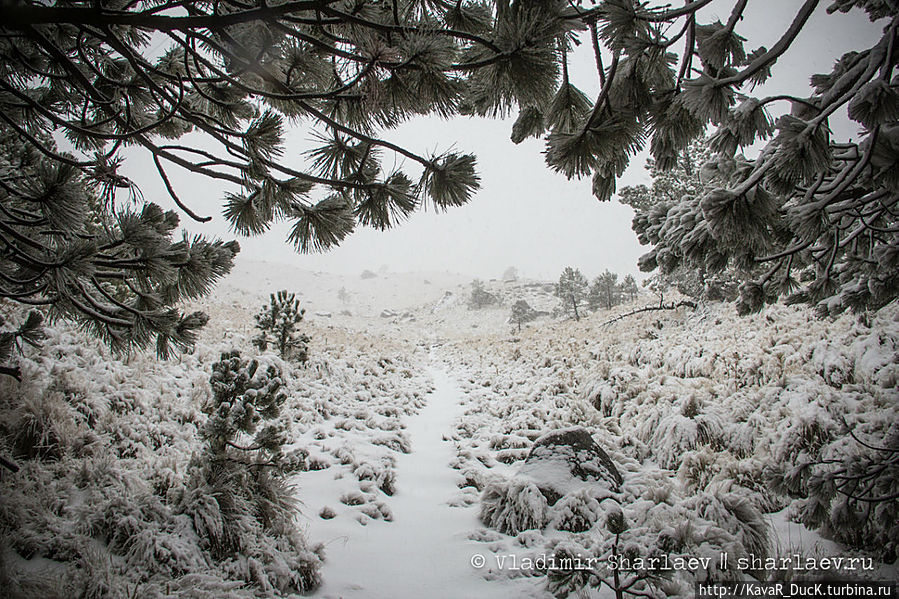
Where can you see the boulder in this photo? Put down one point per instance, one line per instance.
(563, 460)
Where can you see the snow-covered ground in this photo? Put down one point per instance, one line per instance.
(413, 421)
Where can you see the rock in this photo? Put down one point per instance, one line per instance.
(388, 314)
(564, 459)
(322, 314)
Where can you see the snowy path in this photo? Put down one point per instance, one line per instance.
(425, 552)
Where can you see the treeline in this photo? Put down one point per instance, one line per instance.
(574, 290)
(604, 292)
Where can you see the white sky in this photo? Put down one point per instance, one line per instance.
(525, 215)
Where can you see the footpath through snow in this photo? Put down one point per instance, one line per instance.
(426, 550)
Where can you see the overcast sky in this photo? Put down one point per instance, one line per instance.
(525, 215)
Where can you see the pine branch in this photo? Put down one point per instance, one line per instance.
(11, 466)
(671, 306)
(770, 57)
(174, 196)
(25, 16)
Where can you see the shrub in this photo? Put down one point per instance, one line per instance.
(513, 506)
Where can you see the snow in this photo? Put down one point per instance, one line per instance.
(425, 550)
(410, 432)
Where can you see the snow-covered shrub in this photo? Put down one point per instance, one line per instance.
(570, 571)
(237, 496)
(579, 511)
(832, 364)
(511, 506)
(810, 428)
(98, 579)
(380, 472)
(698, 468)
(353, 498)
(42, 427)
(734, 514)
(683, 428)
(397, 441)
(284, 564)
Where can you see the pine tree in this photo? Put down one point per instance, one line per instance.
(28, 333)
(480, 297)
(522, 313)
(669, 216)
(603, 291)
(629, 287)
(814, 215)
(238, 497)
(243, 397)
(572, 290)
(115, 271)
(277, 324)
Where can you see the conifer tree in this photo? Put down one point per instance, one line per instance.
(116, 271)
(237, 496)
(629, 287)
(28, 333)
(815, 215)
(244, 397)
(572, 290)
(603, 291)
(277, 324)
(522, 313)
(480, 297)
(665, 216)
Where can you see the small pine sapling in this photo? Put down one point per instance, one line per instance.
(239, 499)
(244, 397)
(277, 324)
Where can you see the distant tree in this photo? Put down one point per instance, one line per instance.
(480, 297)
(343, 295)
(277, 324)
(522, 313)
(510, 274)
(572, 290)
(603, 291)
(628, 287)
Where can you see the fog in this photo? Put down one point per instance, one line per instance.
(524, 215)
